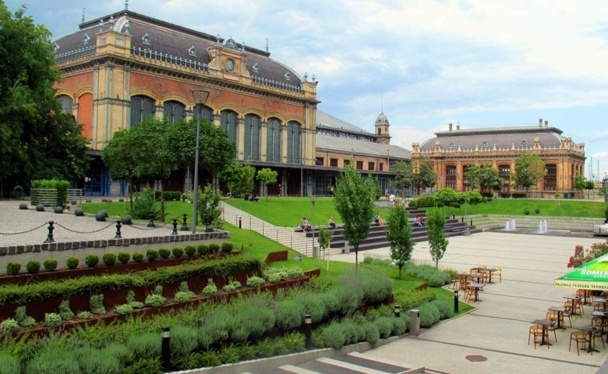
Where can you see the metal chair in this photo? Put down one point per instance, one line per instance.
(582, 340)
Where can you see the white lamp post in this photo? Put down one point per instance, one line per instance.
(199, 96)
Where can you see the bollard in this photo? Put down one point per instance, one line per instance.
(455, 301)
(49, 238)
(118, 226)
(185, 223)
(414, 322)
(151, 223)
(397, 311)
(239, 222)
(166, 348)
(174, 232)
(308, 330)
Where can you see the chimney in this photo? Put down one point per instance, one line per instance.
(457, 127)
(546, 123)
(540, 122)
(450, 127)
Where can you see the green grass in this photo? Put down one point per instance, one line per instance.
(550, 208)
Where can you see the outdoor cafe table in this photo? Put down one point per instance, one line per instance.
(544, 323)
(477, 287)
(603, 315)
(486, 270)
(572, 297)
(560, 315)
(590, 329)
(601, 300)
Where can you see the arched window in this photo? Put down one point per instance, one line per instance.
(228, 121)
(273, 140)
(174, 111)
(450, 176)
(252, 137)
(142, 107)
(66, 103)
(550, 177)
(204, 112)
(294, 138)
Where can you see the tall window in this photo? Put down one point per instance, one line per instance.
(273, 140)
(294, 136)
(450, 177)
(142, 107)
(228, 121)
(551, 177)
(252, 137)
(204, 112)
(66, 103)
(174, 111)
(504, 172)
(467, 183)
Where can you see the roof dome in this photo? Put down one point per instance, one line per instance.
(382, 120)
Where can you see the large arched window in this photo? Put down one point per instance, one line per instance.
(142, 107)
(504, 172)
(252, 137)
(174, 111)
(273, 140)
(550, 177)
(294, 136)
(450, 176)
(228, 121)
(204, 112)
(66, 103)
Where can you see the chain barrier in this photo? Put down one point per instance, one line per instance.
(83, 232)
(147, 228)
(23, 232)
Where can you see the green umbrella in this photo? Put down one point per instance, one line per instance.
(592, 275)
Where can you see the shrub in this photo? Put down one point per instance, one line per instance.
(50, 264)
(96, 302)
(99, 361)
(120, 351)
(210, 288)
(183, 341)
(124, 257)
(289, 314)
(526, 211)
(429, 314)
(151, 254)
(177, 252)
(138, 257)
(109, 259)
(124, 309)
(190, 250)
(9, 326)
(64, 310)
(53, 361)
(72, 262)
(372, 334)
(255, 282)
(227, 247)
(333, 336)
(143, 204)
(214, 248)
(91, 260)
(182, 297)
(145, 346)
(295, 272)
(132, 302)
(537, 210)
(164, 253)
(9, 364)
(202, 249)
(399, 326)
(33, 266)
(13, 268)
(22, 318)
(385, 326)
(84, 315)
(52, 320)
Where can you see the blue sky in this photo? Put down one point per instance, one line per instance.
(425, 63)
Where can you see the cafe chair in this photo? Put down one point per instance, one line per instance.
(553, 317)
(536, 333)
(567, 313)
(599, 307)
(598, 332)
(497, 272)
(469, 294)
(582, 341)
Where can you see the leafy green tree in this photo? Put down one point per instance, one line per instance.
(354, 200)
(209, 206)
(239, 178)
(473, 175)
(118, 158)
(325, 235)
(438, 243)
(579, 183)
(423, 175)
(489, 178)
(267, 177)
(529, 170)
(37, 141)
(399, 234)
(447, 196)
(404, 176)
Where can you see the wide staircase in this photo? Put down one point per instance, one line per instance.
(377, 234)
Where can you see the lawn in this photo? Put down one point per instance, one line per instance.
(546, 207)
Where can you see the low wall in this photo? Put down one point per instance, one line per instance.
(81, 249)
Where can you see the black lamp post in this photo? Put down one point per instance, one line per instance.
(313, 201)
(199, 96)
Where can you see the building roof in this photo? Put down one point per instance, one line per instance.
(519, 137)
(172, 42)
(329, 121)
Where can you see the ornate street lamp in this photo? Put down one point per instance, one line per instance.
(200, 97)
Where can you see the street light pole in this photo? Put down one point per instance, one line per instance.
(199, 96)
(313, 200)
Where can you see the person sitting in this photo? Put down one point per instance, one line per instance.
(305, 225)
(419, 221)
(253, 197)
(379, 220)
(331, 223)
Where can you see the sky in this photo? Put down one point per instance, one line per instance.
(424, 63)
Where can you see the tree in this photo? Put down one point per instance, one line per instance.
(437, 241)
(489, 179)
(209, 208)
(473, 176)
(403, 176)
(354, 202)
(529, 170)
(267, 177)
(118, 158)
(324, 240)
(447, 197)
(36, 139)
(423, 175)
(239, 178)
(579, 183)
(399, 234)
